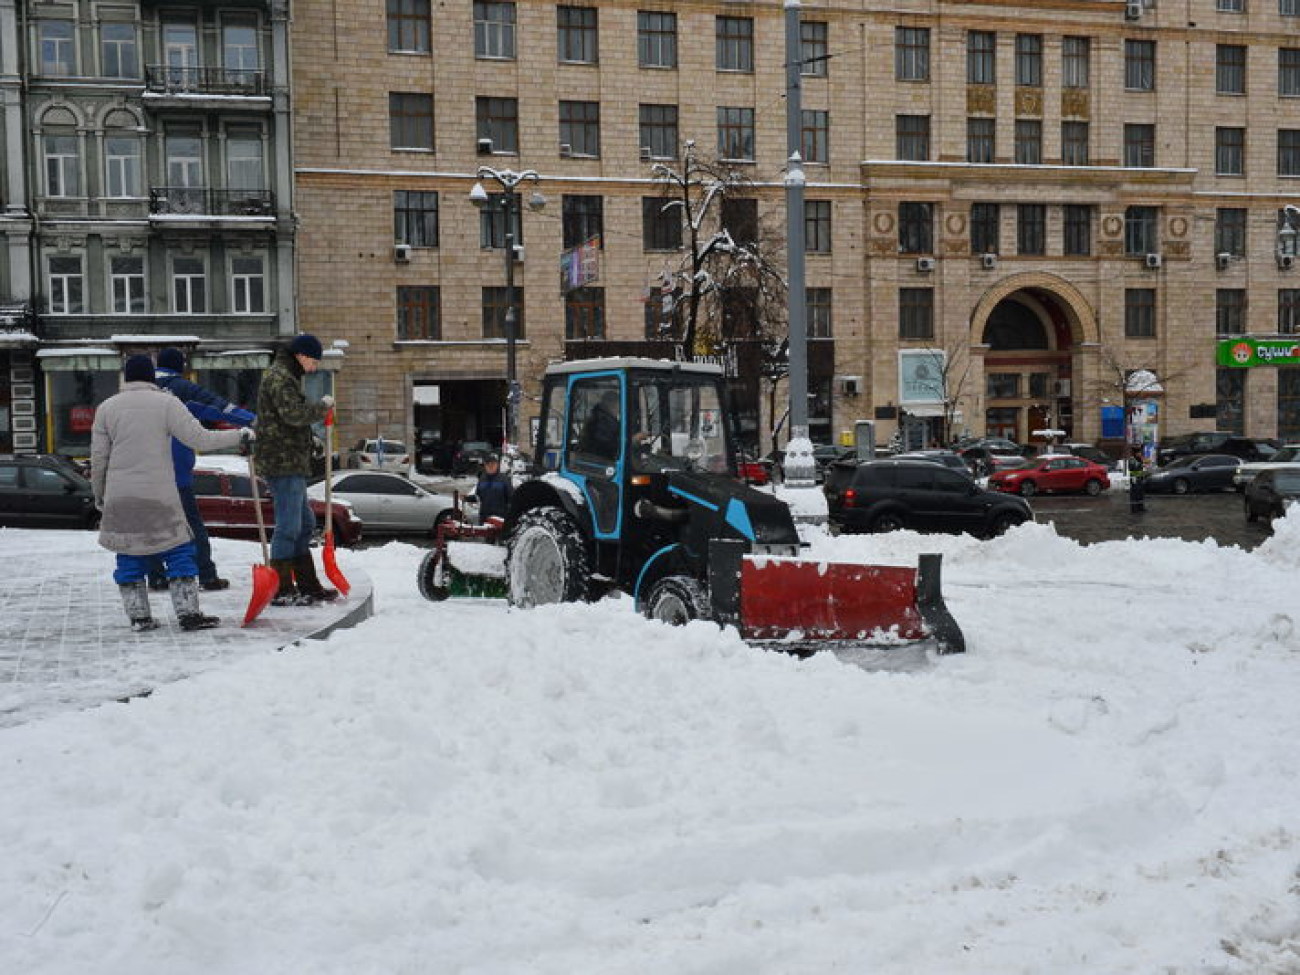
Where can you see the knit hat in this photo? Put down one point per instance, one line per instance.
(138, 369)
(308, 345)
(173, 359)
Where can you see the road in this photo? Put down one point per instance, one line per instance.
(1194, 517)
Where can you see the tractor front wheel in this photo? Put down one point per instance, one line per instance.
(676, 600)
(546, 559)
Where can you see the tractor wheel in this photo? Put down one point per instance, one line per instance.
(432, 576)
(677, 600)
(1028, 489)
(546, 559)
(1181, 486)
(888, 521)
(1092, 488)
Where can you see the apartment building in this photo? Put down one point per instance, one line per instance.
(1020, 216)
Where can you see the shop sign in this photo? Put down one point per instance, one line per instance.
(1244, 353)
(81, 419)
(921, 375)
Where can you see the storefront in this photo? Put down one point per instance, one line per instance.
(1237, 359)
(76, 381)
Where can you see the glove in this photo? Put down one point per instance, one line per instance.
(327, 401)
(246, 438)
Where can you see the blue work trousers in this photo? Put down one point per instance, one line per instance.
(178, 563)
(294, 520)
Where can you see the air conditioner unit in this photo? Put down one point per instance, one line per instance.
(1133, 10)
(646, 154)
(1062, 387)
(519, 252)
(485, 147)
(926, 264)
(566, 150)
(1222, 260)
(1286, 261)
(1154, 261)
(988, 261)
(850, 385)
(402, 253)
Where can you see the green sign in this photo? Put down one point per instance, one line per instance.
(1244, 352)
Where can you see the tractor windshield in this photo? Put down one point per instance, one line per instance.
(678, 423)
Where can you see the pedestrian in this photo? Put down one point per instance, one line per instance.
(204, 405)
(493, 490)
(1136, 487)
(284, 458)
(135, 487)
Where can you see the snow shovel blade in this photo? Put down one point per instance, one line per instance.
(266, 582)
(332, 570)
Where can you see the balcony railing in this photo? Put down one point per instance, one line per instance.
(163, 79)
(204, 201)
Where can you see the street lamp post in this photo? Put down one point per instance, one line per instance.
(509, 181)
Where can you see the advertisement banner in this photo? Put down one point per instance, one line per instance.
(920, 375)
(1244, 353)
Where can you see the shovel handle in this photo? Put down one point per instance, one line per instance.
(329, 478)
(257, 509)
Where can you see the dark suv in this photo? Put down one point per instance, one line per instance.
(886, 495)
(44, 491)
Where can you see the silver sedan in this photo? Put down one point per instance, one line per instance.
(387, 503)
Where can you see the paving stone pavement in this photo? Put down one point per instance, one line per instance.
(65, 642)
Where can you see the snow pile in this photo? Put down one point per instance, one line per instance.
(1106, 782)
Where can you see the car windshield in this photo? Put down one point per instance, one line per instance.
(1287, 481)
(678, 421)
(388, 446)
(1286, 455)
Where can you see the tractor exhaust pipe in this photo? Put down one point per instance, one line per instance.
(650, 511)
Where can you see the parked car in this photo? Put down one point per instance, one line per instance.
(948, 458)
(433, 455)
(225, 497)
(469, 456)
(1288, 456)
(1195, 472)
(1203, 442)
(1271, 492)
(379, 454)
(753, 470)
(44, 491)
(1052, 473)
(1251, 449)
(886, 495)
(1088, 452)
(387, 503)
(986, 458)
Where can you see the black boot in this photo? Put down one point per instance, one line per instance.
(185, 600)
(215, 584)
(287, 594)
(309, 586)
(135, 600)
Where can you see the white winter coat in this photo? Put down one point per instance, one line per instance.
(131, 467)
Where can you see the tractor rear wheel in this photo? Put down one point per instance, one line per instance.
(676, 600)
(546, 559)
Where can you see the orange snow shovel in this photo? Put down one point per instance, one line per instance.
(332, 570)
(266, 581)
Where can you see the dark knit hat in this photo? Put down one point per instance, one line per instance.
(173, 359)
(138, 369)
(308, 345)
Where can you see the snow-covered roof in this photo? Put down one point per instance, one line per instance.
(630, 362)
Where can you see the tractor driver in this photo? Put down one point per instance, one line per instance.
(600, 434)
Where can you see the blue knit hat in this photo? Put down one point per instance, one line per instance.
(308, 345)
(173, 359)
(138, 369)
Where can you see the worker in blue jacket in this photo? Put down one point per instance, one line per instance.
(206, 406)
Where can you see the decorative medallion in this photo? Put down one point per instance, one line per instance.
(1112, 226)
(955, 224)
(1178, 227)
(883, 223)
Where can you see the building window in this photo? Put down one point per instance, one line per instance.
(819, 313)
(248, 282)
(1076, 62)
(181, 54)
(911, 54)
(494, 30)
(659, 130)
(492, 223)
(980, 136)
(65, 286)
(1230, 231)
(126, 284)
(495, 305)
(985, 228)
(189, 286)
(1230, 6)
(1140, 231)
(1077, 226)
(584, 314)
(1031, 228)
(1288, 402)
(734, 43)
(1029, 60)
(580, 127)
(408, 26)
(1029, 142)
(1229, 312)
(1288, 8)
(1288, 152)
(1139, 145)
(739, 218)
(1288, 312)
(1002, 385)
(244, 170)
(1140, 65)
(1140, 313)
(122, 166)
(1230, 69)
(415, 217)
(916, 228)
(581, 219)
(661, 223)
(1074, 143)
(239, 53)
(184, 148)
(497, 120)
(1288, 70)
(814, 48)
(577, 34)
(656, 39)
(1230, 400)
(817, 226)
(981, 57)
(736, 133)
(410, 121)
(1229, 151)
(419, 313)
(62, 166)
(916, 313)
(58, 48)
(118, 51)
(912, 137)
(815, 136)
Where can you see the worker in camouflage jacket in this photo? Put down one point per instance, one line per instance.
(283, 454)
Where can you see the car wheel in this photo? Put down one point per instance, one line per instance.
(1028, 489)
(889, 521)
(1003, 523)
(1181, 486)
(1093, 487)
(546, 559)
(437, 522)
(676, 600)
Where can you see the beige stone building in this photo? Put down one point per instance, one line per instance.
(1011, 207)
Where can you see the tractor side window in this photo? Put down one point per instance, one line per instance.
(550, 435)
(596, 425)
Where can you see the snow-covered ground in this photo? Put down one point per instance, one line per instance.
(1108, 782)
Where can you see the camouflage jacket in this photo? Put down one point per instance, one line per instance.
(284, 420)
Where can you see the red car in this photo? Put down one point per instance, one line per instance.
(753, 471)
(1052, 473)
(226, 503)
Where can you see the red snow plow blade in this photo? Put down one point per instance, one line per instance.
(801, 604)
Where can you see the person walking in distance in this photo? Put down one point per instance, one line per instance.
(284, 452)
(204, 405)
(133, 479)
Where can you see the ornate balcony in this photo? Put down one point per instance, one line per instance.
(160, 79)
(203, 201)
